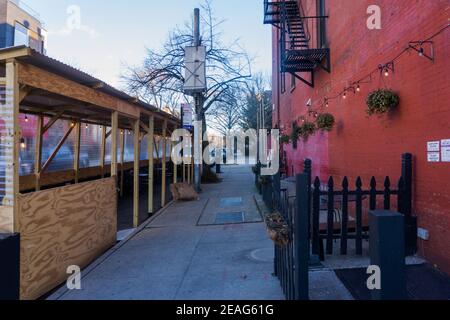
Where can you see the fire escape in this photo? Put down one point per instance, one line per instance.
(302, 44)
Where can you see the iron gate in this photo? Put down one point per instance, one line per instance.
(292, 260)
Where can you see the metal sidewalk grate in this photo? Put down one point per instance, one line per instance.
(230, 217)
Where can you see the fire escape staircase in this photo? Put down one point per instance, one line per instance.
(298, 53)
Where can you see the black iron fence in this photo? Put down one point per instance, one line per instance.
(337, 210)
(329, 213)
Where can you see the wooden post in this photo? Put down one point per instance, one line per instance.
(103, 151)
(164, 164)
(122, 159)
(151, 167)
(38, 152)
(175, 166)
(10, 145)
(76, 161)
(192, 168)
(136, 174)
(114, 130)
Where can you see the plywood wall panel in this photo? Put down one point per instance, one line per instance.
(65, 226)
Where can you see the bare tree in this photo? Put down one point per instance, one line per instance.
(160, 79)
(258, 92)
(226, 115)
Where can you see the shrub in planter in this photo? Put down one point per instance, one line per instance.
(285, 139)
(325, 121)
(277, 229)
(382, 101)
(306, 130)
(264, 180)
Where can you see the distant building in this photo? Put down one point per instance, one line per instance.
(20, 25)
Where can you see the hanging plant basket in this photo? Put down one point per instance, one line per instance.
(325, 122)
(306, 130)
(277, 229)
(382, 101)
(285, 139)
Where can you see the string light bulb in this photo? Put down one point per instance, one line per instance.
(23, 145)
(87, 126)
(358, 88)
(421, 52)
(327, 104)
(26, 119)
(386, 72)
(344, 95)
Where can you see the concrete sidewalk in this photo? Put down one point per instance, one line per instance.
(182, 254)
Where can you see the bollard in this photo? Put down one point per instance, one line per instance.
(387, 251)
(9, 267)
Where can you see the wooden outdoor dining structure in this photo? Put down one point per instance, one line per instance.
(69, 217)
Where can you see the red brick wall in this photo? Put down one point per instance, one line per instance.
(372, 146)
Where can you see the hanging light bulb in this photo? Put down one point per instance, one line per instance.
(358, 88)
(87, 126)
(345, 95)
(421, 52)
(23, 145)
(121, 132)
(26, 119)
(327, 104)
(386, 72)
(72, 124)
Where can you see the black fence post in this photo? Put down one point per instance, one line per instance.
(277, 189)
(387, 251)
(9, 267)
(410, 221)
(301, 238)
(407, 176)
(308, 171)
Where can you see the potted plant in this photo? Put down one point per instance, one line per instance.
(285, 139)
(382, 101)
(306, 130)
(325, 121)
(278, 229)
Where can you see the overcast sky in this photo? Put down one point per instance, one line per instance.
(115, 33)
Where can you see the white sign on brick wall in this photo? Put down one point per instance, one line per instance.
(445, 150)
(434, 146)
(433, 157)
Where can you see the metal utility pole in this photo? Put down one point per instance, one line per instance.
(198, 102)
(195, 85)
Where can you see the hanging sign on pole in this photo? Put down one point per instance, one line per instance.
(187, 116)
